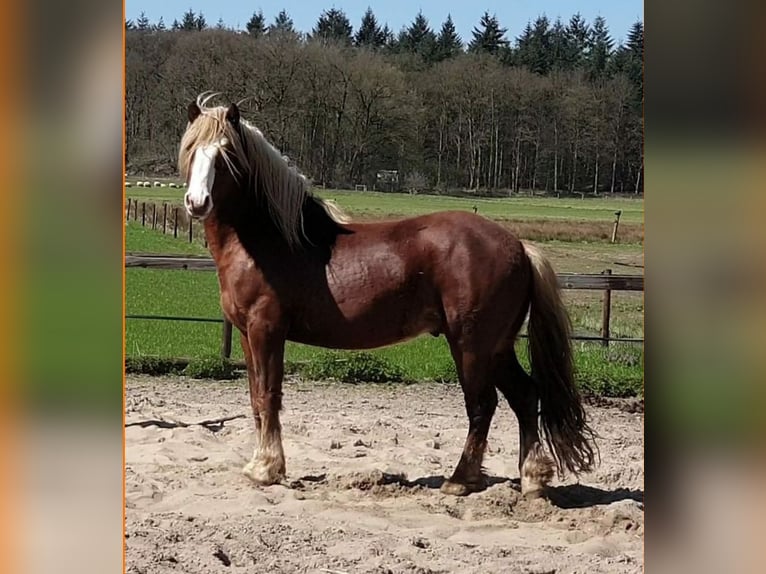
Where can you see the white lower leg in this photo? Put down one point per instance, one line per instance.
(268, 463)
(536, 472)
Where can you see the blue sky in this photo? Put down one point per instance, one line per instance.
(513, 14)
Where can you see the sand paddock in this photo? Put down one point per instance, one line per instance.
(364, 464)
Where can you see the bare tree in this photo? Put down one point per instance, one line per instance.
(474, 121)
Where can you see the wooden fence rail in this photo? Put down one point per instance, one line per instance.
(591, 281)
(606, 282)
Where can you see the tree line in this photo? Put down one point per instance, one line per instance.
(558, 109)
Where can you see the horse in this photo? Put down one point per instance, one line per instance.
(292, 267)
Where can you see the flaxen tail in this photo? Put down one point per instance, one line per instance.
(562, 416)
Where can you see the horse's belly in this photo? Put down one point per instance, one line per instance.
(366, 331)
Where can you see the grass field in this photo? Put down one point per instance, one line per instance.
(196, 294)
(535, 218)
(375, 205)
(139, 239)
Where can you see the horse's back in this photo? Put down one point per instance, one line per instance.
(462, 255)
(445, 229)
(462, 240)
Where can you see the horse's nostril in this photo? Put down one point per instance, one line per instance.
(206, 202)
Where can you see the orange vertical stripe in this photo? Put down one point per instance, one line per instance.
(10, 150)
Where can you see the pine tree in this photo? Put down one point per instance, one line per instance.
(129, 25)
(523, 45)
(189, 21)
(534, 47)
(160, 25)
(635, 43)
(559, 46)
(488, 36)
(400, 42)
(220, 24)
(176, 25)
(448, 43)
(283, 24)
(508, 56)
(256, 26)
(418, 38)
(599, 49)
(577, 33)
(369, 33)
(619, 62)
(143, 22)
(541, 42)
(635, 64)
(389, 40)
(200, 23)
(333, 24)
(523, 41)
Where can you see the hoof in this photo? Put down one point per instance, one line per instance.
(461, 489)
(536, 473)
(532, 491)
(262, 474)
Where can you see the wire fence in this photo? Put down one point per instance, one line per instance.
(607, 282)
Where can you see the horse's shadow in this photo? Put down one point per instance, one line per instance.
(582, 496)
(566, 496)
(436, 482)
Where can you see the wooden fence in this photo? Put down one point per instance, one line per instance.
(605, 282)
(167, 217)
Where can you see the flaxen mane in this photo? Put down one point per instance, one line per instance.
(261, 165)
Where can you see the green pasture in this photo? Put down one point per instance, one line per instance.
(614, 371)
(373, 205)
(617, 371)
(377, 205)
(139, 239)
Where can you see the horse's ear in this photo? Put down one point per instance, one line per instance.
(232, 114)
(193, 111)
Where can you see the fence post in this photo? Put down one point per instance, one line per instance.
(164, 218)
(606, 312)
(128, 216)
(154, 216)
(226, 340)
(175, 222)
(135, 210)
(191, 221)
(617, 215)
(143, 214)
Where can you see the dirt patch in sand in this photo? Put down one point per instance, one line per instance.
(364, 467)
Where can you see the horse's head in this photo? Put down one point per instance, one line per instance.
(227, 161)
(211, 156)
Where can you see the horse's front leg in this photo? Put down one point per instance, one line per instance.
(264, 352)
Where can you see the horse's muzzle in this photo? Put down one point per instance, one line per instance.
(199, 210)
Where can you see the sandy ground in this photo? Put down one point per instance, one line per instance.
(364, 464)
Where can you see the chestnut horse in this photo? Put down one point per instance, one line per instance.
(291, 268)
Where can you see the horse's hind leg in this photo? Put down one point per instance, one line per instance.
(480, 403)
(535, 467)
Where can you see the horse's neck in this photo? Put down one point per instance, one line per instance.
(248, 224)
(219, 236)
(243, 227)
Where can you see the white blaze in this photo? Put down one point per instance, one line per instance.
(202, 177)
